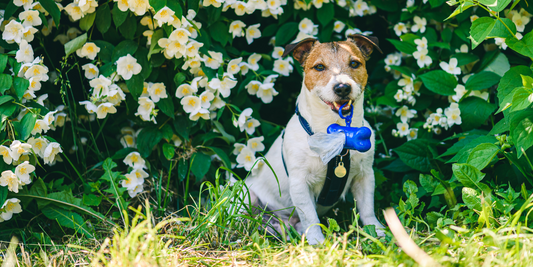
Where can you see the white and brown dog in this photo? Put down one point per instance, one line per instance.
(334, 73)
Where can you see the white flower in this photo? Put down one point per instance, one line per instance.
(252, 61)
(30, 18)
(253, 87)
(164, 15)
(38, 145)
(23, 171)
(215, 3)
(282, 67)
(403, 128)
(306, 26)
(88, 50)
(213, 60)
(464, 47)
(13, 32)
(407, 83)
(60, 119)
(10, 180)
(338, 26)
(191, 49)
(89, 106)
(255, 144)
(26, 3)
(103, 109)
(191, 104)
(236, 28)
(51, 152)
(157, 91)
(451, 67)
(127, 141)
(224, 86)
(420, 24)
(145, 108)
(18, 149)
(135, 160)
(201, 113)
(422, 58)
(359, 8)
(139, 7)
(25, 52)
(252, 32)
(186, 90)
(180, 35)
(10, 207)
(453, 114)
(135, 191)
(206, 98)
(127, 66)
(421, 44)
(233, 66)
(91, 71)
(246, 158)
(413, 134)
(460, 91)
(278, 52)
(237, 148)
(405, 113)
(520, 21)
(5, 152)
(37, 71)
(400, 28)
(434, 118)
(267, 92)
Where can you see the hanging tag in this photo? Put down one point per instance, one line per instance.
(340, 171)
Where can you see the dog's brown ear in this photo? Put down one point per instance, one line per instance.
(300, 50)
(365, 43)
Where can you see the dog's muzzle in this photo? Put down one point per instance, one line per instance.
(342, 89)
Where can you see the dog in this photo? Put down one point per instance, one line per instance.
(334, 73)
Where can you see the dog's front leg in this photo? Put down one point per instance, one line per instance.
(363, 191)
(304, 203)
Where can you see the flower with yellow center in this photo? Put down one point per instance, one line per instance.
(91, 71)
(38, 145)
(23, 171)
(146, 106)
(206, 98)
(127, 141)
(10, 180)
(18, 149)
(104, 109)
(30, 18)
(123, 5)
(246, 159)
(338, 26)
(157, 91)
(37, 71)
(88, 50)
(180, 35)
(282, 67)
(256, 144)
(139, 7)
(127, 66)
(201, 113)
(5, 152)
(13, 32)
(215, 3)
(74, 11)
(10, 207)
(400, 28)
(403, 128)
(191, 104)
(252, 32)
(135, 160)
(233, 66)
(253, 87)
(25, 52)
(164, 15)
(235, 28)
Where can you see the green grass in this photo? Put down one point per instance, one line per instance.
(215, 234)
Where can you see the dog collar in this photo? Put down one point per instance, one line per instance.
(304, 122)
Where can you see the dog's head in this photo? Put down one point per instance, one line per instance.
(335, 72)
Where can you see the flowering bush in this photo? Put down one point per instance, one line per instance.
(151, 97)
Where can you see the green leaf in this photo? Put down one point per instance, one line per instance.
(440, 82)
(219, 31)
(222, 155)
(67, 218)
(416, 154)
(20, 85)
(26, 126)
(103, 15)
(474, 112)
(158, 4)
(128, 28)
(480, 29)
(75, 44)
(465, 148)
(460, 9)
(471, 198)
(524, 46)
(500, 5)
(286, 33)
(181, 125)
(3, 195)
(155, 37)
(176, 7)
(387, 5)
(179, 78)
(522, 98)
(87, 21)
(501, 31)
(147, 139)
(5, 98)
(428, 183)
(3, 62)
(124, 48)
(106, 51)
(511, 80)
(200, 165)
(521, 126)
(465, 58)
(168, 151)
(118, 16)
(135, 86)
(325, 14)
(38, 188)
(91, 200)
(230, 138)
(468, 175)
(500, 65)
(166, 106)
(53, 9)
(6, 81)
(113, 177)
(403, 46)
(482, 80)
(482, 155)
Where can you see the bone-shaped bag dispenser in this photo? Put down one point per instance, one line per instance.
(357, 138)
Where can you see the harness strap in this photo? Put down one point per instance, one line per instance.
(333, 185)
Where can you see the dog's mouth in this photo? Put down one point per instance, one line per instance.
(335, 105)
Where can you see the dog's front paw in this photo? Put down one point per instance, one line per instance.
(380, 232)
(315, 236)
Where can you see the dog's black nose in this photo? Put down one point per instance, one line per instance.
(342, 89)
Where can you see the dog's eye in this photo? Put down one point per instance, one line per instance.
(354, 64)
(319, 67)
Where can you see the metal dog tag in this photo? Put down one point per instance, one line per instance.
(340, 171)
